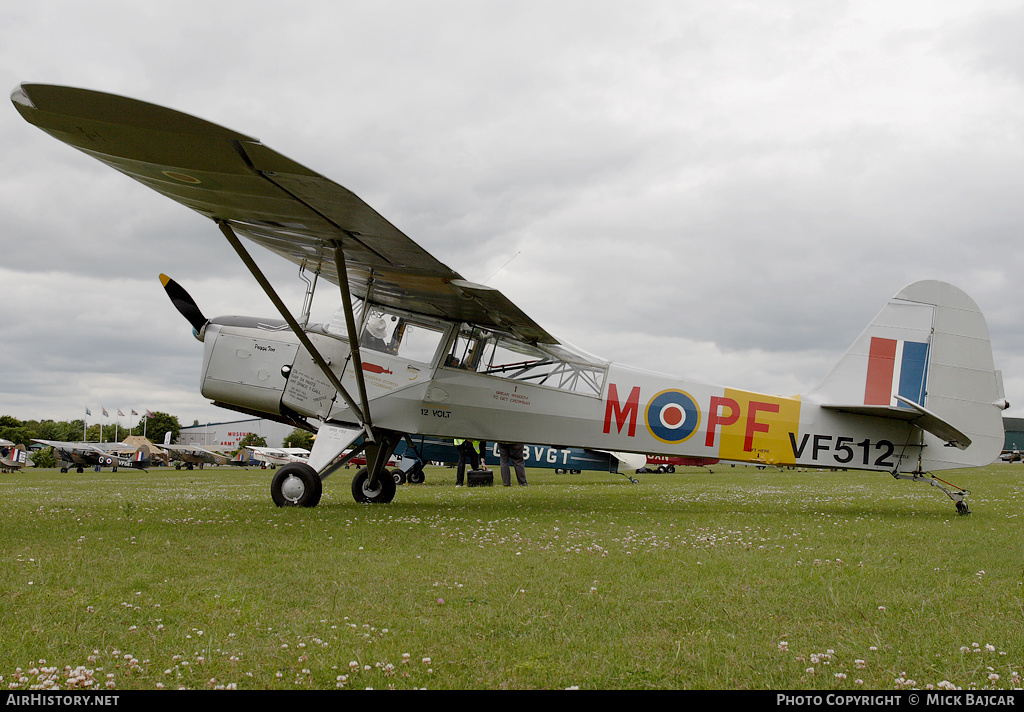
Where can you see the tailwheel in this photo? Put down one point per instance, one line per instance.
(296, 485)
(415, 476)
(380, 493)
(957, 494)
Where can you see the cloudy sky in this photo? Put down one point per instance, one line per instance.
(722, 190)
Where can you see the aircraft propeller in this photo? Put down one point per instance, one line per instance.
(184, 303)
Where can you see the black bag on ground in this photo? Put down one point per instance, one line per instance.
(479, 478)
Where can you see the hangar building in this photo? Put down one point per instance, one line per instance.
(1014, 428)
(225, 436)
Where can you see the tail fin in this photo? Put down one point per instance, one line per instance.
(16, 457)
(926, 358)
(142, 456)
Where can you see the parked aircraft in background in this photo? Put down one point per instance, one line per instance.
(97, 455)
(274, 456)
(192, 455)
(666, 463)
(12, 457)
(417, 349)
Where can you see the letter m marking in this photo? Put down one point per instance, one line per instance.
(621, 413)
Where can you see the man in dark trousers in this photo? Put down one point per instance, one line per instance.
(471, 451)
(512, 453)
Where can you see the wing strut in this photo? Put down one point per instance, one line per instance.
(350, 324)
(363, 414)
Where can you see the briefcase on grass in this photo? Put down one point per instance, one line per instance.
(479, 478)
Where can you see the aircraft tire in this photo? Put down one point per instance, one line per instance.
(416, 476)
(362, 492)
(296, 485)
(399, 476)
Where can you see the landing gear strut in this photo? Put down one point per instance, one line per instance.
(957, 494)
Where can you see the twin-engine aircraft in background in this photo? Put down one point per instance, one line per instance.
(417, 349)
(80, 455)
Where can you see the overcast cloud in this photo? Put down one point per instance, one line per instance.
(722, 190)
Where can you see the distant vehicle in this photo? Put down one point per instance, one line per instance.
(416, 349)
(1011, 456)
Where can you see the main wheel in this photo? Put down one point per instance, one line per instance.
(296, 485)
(383, 493)
(398, 476)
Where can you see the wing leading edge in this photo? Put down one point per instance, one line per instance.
(269, 199)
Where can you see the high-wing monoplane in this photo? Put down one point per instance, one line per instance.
(85, 454)
(418, 349)
(274, 456)
(192, 455)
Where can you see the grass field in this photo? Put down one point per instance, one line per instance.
(732, 579)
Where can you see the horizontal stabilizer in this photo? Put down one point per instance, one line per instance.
(913, 412)
(631, 460)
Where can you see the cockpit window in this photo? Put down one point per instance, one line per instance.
(399, 335)
(498, 354)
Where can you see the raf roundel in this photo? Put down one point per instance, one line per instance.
(672, 416)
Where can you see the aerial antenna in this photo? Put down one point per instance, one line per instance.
(502, 267)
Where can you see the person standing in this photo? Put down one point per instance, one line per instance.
(469, 451)
(512, 454)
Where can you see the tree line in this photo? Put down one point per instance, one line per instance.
(22, 432)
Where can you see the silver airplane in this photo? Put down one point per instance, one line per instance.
(418, 349)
